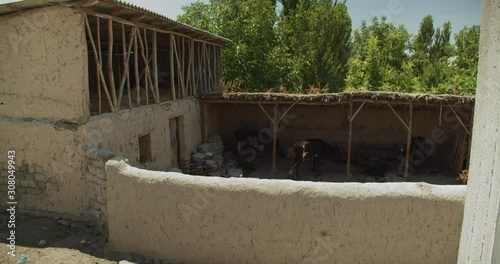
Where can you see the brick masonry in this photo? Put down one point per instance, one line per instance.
(30, 180)
(95, 175)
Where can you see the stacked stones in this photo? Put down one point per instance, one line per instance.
(196, 165)
(208, 159)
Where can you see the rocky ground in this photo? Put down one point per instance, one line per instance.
(44, 240)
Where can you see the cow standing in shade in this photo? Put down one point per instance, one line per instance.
(313, 149)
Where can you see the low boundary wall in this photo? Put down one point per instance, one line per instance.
(195, 219)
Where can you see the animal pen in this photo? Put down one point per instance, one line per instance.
(95, 90)
(364, 125)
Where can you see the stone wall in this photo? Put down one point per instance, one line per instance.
(96, 181)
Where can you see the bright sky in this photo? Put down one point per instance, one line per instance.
(407, 12)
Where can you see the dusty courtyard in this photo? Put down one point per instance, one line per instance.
(66, 242)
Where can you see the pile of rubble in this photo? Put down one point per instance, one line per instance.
(209, 160)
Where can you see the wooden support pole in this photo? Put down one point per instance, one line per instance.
(147, 65)
(275, 135)
(110, 63)
(408, 142)
(351, 117)
(400, 119)
(172, 78)
(199, 83)
(149, 81)
(99, 66)
(349, 140)
(126, 60)
(155, 66)
(136, 68)
(470, 138)
(205, 122)
(459, 119)
(193, 87)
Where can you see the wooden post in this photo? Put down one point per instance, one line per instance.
(275, 133)
(136, 68)
(126, 60)
(408, 142)
(99, 65)
(349, 144)
(349, 141)
(470, 138)
(146, 48)
(172, 79)
(205, 122)
(97, 69)
(192, 67)
(110, 63)
(149, 81)
(155, 67)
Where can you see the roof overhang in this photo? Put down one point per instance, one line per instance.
(120, 10)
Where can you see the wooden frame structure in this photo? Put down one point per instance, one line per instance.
(131, 58)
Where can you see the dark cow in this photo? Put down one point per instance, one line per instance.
(313, 149)
(415, 160)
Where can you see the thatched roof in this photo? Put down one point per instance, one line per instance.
(121, 10)
(333, 98)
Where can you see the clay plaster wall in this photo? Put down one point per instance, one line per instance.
(44, 64)
(49, 164)
(119, 132)
(218, 220)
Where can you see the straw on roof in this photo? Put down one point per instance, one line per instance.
(331, 98)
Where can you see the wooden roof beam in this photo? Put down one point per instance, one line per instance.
(90, 3)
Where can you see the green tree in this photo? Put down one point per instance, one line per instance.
(250, 24)
(379, 59)
(431, 53)
(317, 35)
(463, 67)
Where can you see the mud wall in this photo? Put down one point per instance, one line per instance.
(44, 64)
(235, 220)
(50, 161)
(120, 132)
(43, 96)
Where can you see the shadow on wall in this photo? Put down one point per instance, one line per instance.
(194, 219)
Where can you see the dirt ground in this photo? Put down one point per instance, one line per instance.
(332, 171)
(66, 242)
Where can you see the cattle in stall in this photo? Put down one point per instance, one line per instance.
(314, 149)
(374, 166)
(416, 145)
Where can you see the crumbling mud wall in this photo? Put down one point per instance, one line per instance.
(195, 219)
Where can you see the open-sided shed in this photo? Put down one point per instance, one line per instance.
(362, 124)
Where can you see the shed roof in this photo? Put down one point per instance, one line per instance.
(333, 98)
(121, 10)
